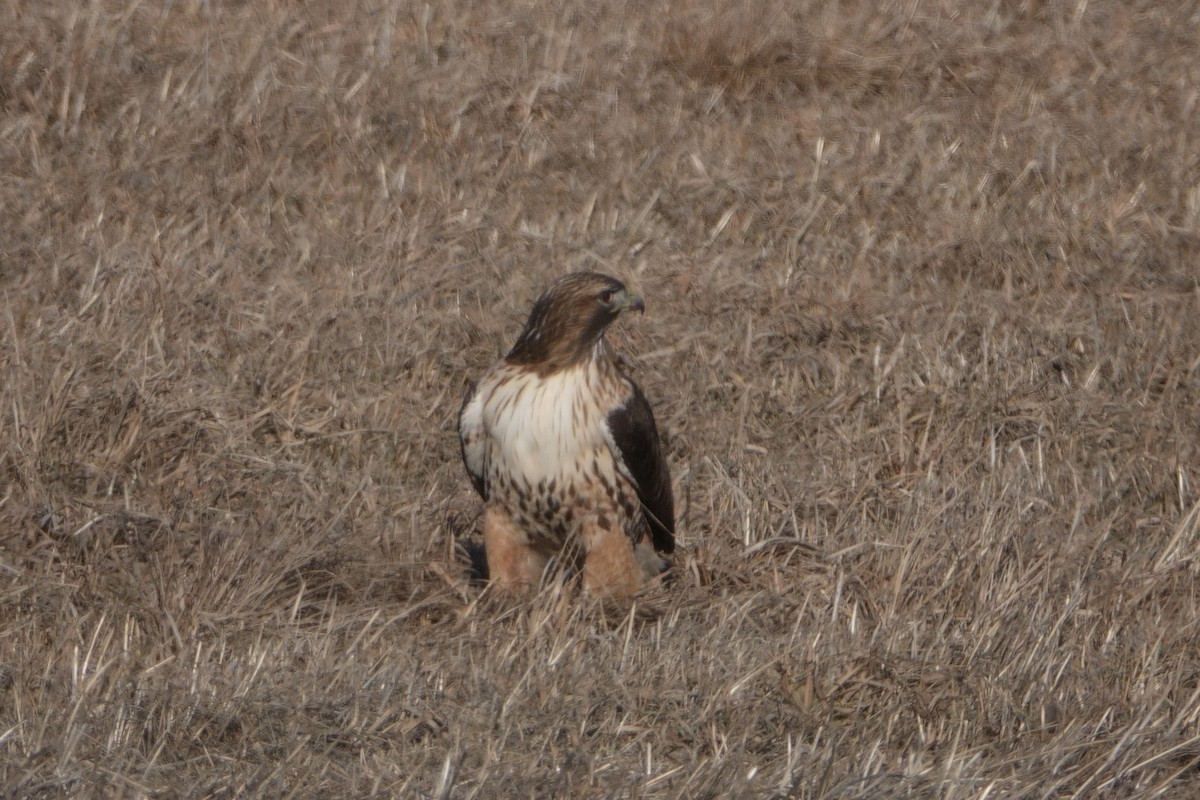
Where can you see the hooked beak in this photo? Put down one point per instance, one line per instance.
(628, 301)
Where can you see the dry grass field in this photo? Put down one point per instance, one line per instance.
(923, 335)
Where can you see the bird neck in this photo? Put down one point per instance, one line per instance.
(548, 353)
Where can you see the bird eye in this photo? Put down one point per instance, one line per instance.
(606, 296)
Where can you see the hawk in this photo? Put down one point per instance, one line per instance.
(563, 449)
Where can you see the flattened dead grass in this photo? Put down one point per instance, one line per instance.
(922, 339)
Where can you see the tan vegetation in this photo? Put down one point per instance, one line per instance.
(923, 335)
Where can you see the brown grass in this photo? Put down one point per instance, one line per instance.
(923, 337)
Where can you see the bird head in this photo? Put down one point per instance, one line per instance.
(569, 319)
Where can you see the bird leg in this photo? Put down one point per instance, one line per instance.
(514, 566)
(649, 561)
(609, 568)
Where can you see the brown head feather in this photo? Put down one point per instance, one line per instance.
(569, 319)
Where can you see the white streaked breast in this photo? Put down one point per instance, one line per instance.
(543, 428)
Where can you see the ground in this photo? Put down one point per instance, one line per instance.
(922, 331)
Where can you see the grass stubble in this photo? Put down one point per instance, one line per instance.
(922, 337)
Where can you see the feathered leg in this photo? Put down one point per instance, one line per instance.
(610, 568)
(514, 566)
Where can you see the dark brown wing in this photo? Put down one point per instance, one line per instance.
(636, 436)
